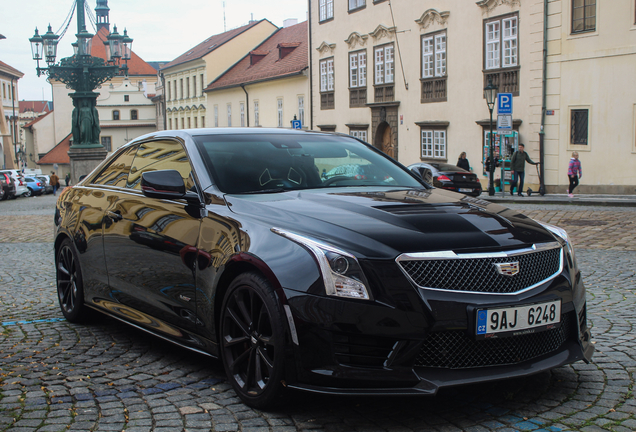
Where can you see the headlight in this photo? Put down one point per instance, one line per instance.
(340, 270)
(560, 232)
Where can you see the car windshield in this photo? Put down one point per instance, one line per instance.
(253, 163)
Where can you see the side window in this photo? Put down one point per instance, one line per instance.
(116, 173)
(160, 155)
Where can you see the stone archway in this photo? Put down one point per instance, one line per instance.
(384, 126)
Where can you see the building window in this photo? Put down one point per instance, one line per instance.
(355, 4)
(256, 114)
(107, 143)
(326, 84)
(216, 116)
(181, 88)
(202, 85)
(242, 111)
(126, 98)
(384, 77)
(361, 134)
(501, 55)
(433, 80)
(169, 87)
(194, 86)
(579, 126)
(196, 122)
(182, 123)
(169, 123)
(229, 115)
(176, 96)
(115, 114)
(133, 114)
(301, 110)
(279, 103)
(187, 87)
(433, 144)
(583, 16)
(189, 124)
(203, 121)
(326, 9)
(357, 79)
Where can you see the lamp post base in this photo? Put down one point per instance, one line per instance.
(84, 160)
(491, 191)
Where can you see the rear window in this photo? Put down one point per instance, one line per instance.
(447, 167)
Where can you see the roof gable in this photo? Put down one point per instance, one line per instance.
(58, 154)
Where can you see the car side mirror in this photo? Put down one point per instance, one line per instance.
(166, 184)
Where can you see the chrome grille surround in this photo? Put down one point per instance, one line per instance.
(476, 273)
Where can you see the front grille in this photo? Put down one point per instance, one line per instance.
(480, 274)
(455, 350)
(364, 351)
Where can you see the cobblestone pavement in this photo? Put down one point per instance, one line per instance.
(105, 376)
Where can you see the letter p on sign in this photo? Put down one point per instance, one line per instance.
(504, 103)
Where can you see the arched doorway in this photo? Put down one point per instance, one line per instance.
(384, 139)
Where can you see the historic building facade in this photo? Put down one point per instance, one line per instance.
(9, 109)
(268, 87)
(185, 77)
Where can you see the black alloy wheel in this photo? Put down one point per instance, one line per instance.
(70, 291)
(252, 341)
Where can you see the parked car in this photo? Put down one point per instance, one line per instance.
(21, 188)
(8, 186)
(228, 242)
(35, 186)
(451, 177)
(46, 180)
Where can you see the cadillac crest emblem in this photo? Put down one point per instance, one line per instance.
(508, 269)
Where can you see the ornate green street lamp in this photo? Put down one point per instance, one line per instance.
(490, 91)
(83, 73)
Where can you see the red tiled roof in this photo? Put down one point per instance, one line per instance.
(10, 70)
(34, 106)
(34, 121)
(270, 66)
(58, 154)
(136, 66)
(210, 44)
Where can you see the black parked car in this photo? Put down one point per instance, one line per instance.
(230, 242)
(8, 186)
(451, 177)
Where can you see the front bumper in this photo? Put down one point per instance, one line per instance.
(400, 343)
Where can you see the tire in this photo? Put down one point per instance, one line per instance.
(28, 193)
(252, 338)
(70, 289)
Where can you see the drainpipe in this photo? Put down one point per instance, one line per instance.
(163, 102)
(311, 74)
(247, 106)
(543, 99)
(15, 124)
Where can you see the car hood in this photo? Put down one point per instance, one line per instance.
(385, 222)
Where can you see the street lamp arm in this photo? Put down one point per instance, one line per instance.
(82, 73)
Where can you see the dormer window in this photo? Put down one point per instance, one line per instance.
(256, 56)
(286, 48)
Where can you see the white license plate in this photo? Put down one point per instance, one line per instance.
(465, 190)
(518, 320)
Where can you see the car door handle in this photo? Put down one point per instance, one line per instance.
(115, 216)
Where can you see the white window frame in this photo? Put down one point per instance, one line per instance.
(229, 115)
(355, 4)
(326, 9)
(301, 110)
(502, 43)
(434, 55)
(493, 35)
(256, 114)
(384, 64)
(510, 34)
(433, 143)
(326, 75)
(242, 110)
(358, 69)
(359, 133)
(279, 107)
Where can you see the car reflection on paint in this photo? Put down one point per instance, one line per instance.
(312, 261)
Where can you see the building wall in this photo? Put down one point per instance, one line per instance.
(40, 139)
(463, 22)
(8, 122)
(267, 95)
(593, 70)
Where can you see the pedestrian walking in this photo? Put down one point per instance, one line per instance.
(67, 179)
(518, 165)
(55, 182)
(462, 162)
(575, 172)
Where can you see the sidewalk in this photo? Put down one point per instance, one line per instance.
(589, 199)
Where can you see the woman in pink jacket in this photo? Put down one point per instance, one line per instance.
(574, 172)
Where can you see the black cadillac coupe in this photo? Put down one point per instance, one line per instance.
(230, 242)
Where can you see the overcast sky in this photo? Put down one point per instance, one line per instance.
(161, 29)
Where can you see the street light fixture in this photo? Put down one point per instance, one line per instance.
(490, 91)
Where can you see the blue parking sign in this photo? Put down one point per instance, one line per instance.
(296, 124)
(504, 103)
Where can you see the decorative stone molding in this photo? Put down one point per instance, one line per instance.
(325, 46)
(432, 16)
(382, 31)
(356, 38)
(488, 5)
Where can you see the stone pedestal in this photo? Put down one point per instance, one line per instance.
(84, 160)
